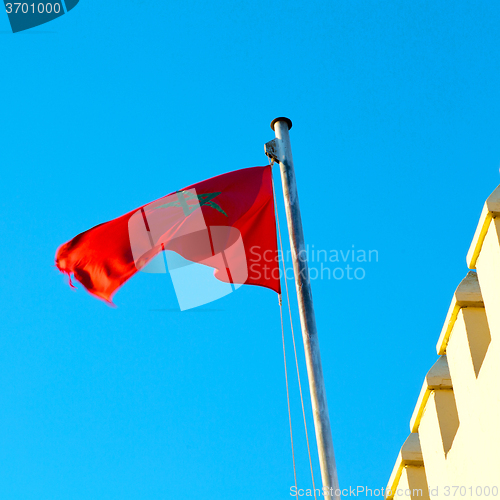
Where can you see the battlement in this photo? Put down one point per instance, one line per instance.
(455, 431)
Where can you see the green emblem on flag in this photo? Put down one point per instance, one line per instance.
(203, 199)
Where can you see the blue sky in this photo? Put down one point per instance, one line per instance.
(395, 108)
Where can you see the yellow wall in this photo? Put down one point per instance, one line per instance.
(454, 446)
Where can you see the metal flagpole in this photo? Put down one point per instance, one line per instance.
(280, 150)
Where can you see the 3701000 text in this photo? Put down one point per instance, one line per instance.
(471, 491)
(40, 8)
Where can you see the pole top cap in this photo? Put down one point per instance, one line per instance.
(282, 119)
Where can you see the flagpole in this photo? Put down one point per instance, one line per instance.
(280, 150)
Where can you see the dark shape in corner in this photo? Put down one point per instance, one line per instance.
(24, 15)
(70, 4)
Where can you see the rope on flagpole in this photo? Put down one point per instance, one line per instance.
(294, 346)
(288, 395)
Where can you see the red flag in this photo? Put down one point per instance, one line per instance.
(226, 222)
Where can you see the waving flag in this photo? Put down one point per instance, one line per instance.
(226, 223)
